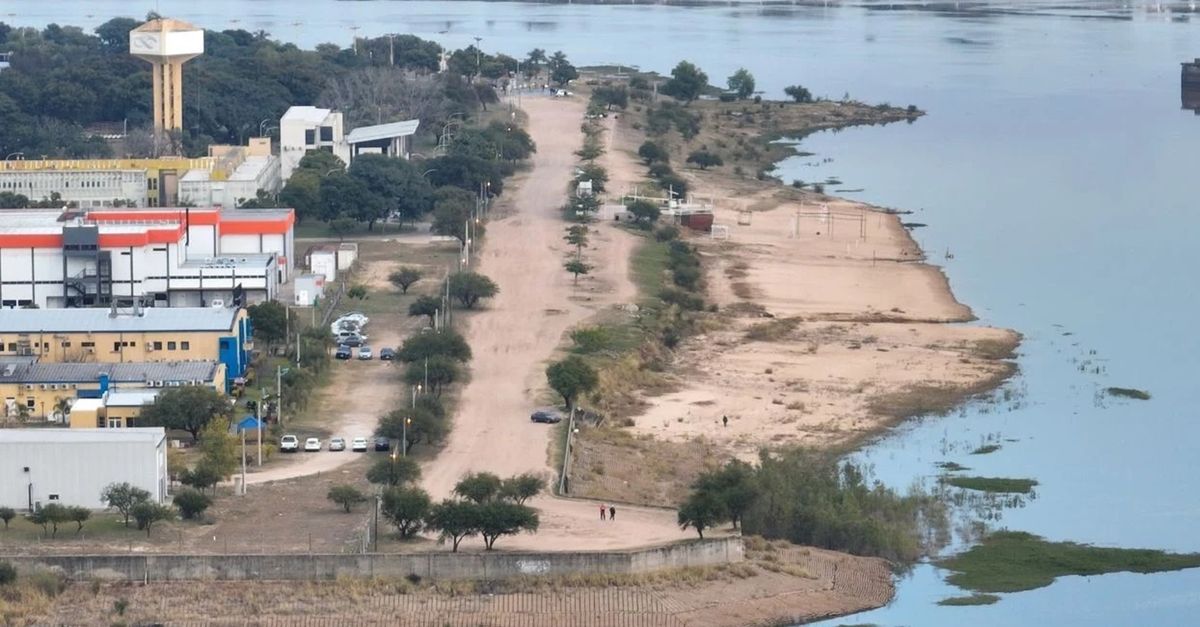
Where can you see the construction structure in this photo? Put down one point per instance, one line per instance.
(237, 175)
(152, 257)
(304, 128)
(73, 466)
(167, 44)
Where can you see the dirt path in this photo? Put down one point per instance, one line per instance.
(520, 330)
(350, 415)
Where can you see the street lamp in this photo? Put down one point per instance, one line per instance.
(262, 125)
(404, 442)
(14, 154)
(426, 172)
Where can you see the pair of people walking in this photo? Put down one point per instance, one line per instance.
(608, 510)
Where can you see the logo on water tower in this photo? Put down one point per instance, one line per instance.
(144, 43)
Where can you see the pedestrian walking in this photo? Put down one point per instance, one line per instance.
(725, 420)
(602, 510)
(612, 512)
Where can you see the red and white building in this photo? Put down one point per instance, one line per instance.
(158, 257)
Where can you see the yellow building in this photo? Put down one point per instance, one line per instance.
(152, 335)
(49, 391)
(76, 179)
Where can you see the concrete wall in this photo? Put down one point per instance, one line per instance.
(439, 565)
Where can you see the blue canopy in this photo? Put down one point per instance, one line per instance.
(249, 423)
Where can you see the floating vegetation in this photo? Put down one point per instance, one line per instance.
(985, 449)
(1134, 393)
(992, 484)
(971, 599)
(951, 466)
(1011, 561)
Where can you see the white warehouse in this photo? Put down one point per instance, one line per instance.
(72, 466)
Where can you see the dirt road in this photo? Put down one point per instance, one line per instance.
(350, 415)
(519, 331)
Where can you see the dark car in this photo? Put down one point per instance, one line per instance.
(343, 352)
(352, 341)
(546, 416)
(383, 444)
(387, 354)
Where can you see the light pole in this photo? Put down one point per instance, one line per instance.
(262, 125)
(477, 65)
(404, 442)
(426, 172)
(14, 154)
(415, 391)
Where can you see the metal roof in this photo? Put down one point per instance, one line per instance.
(133, 372)
(383, 131)
(99, 320)
(131, 398)
(152, 435)
(312, 115)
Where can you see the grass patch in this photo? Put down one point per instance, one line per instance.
(1133, 393)
(970, 599)
(992, 484)
(1011, 561)
(985, 449)
(951, 466)
(649, 267)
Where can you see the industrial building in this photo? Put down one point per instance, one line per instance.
(73, 466)
(161, 257)
(95, 183)
(302, 129)
(239, 173)
(108, 336)
(48, 391)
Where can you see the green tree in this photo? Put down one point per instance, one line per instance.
(302, 192)
(501, 518)
(219, 449)
(321, 162)
(595, 173)
(148, 513)
(705, 159)
(644, 211)
(406, 508)
(50, 517)
(452, 209)
(571, 377)
(733, 486)
(609, 96)
(425, 306)
(7, 514)
(269, 321)
(798, 93)
(454, 520)
(394, 470)
(357, 292)
(342, 225)
(202, 477)
(396, 181)
(687, 82)
(344, 195)
(522, 487)
(262, 200)
(577, 236)
(478, 487)
(576, 267)
(191, 503)
(8, 573)
(346, 495)
(700, 511)
(651, 152)
(534, 61)
(123, 497)
(439, 371)
(421, 346)
(404, 277)
(78, 515)
(189, 408)
(426, 422)
(471, 287)
(741, 83)
(561, 70)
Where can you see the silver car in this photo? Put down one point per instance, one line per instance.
(337, 444)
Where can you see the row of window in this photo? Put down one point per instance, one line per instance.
(171, 345)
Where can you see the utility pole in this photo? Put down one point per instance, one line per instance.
(243, 490)
(258, 420)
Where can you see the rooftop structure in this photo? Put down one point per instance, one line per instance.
(393, 139)
(167, 44)
(305, 128)
(97, 320)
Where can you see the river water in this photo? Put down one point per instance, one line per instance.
(1055, 165)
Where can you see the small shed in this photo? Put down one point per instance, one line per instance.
(249, 423)
(347, 253)
(323, 260)
(308, 289)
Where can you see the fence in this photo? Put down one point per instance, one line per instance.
(433, 565)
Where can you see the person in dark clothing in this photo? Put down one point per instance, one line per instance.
(612, 512)
(602, 508)
(725, 420)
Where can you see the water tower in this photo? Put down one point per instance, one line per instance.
(167, 44)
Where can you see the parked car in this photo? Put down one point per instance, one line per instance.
(383, 444)
(387, 354)
(352, 340)
(547, 416)
(337, 444)
(359, 445)
(289, 444)
(343, 352)
(364, 352)
(312, 445)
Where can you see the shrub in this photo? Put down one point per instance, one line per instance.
(687, 277)
(682, 299)
(7, 514)
(346, 495)
(666, 233)
(651, 152)
(705, 160)
(8, 573)
(191, 503)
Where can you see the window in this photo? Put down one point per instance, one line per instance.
(326, 133)
(116, 346)
(66, 344)
(31, 403)
(12, 347)
(170, 346)
(131, 344)
(185, 346)
(310, 137)
(88, 344)
(114, 423)
(158, 346)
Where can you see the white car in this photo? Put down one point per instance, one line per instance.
(359, 445)
(337, 444)
(312, 445)
(289, 444)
